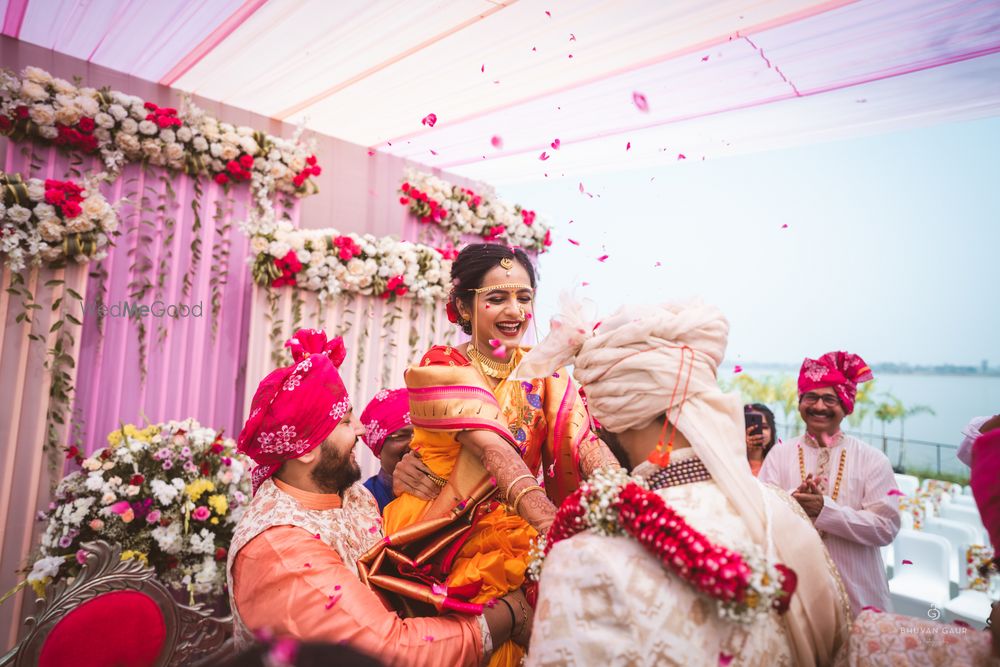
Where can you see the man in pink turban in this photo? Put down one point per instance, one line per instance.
(842, 483)
(291, 567)
(387, 433)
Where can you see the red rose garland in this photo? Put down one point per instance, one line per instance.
(609, 507)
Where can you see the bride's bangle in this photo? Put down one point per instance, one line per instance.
(506, 493)
(523, 492)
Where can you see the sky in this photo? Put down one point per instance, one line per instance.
(891, 249)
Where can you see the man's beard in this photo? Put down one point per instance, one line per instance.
(334, 473)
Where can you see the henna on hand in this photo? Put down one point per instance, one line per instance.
(595, 454)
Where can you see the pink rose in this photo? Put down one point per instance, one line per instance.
(201, 513)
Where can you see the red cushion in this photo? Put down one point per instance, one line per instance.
(117, 629)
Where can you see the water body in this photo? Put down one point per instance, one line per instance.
(954, 399)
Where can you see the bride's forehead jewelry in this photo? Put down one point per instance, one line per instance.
(513, 287)
(507, 263)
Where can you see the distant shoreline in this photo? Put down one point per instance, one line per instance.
(945, 370)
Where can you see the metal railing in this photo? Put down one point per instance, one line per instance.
(922, 456)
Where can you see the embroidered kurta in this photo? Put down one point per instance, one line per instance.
(607, 601)
(862, 518)
(292, 570)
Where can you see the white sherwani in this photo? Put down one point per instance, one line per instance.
(608, 602)
(863, 517)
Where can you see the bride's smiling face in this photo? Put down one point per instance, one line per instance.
(503, 313)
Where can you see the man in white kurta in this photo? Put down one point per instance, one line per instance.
(608, 600)
(842, 483)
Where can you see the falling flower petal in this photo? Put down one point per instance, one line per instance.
(438, 589)
(584, 284)
(429, 638)
(555, 145)
(528, 316)
(785, 226)
(500, 352)
(681, 156)
(551, 470)
(907, 562)
(640, 102)
(433, 152)
(895, 492)
(483, 68)
(496, 141)
(373, 529)
(533, 49)
(547, 13)
(737, 369)
(724, 658)
(573, 242)
(658, 264)
(572, 37)
(370, 152)
(429, 120)
(962, 624)
(570, 55)
(334, 599)
(581, 187)
(544, 156)
(307, 565)
(602, 258)
(316, 536)
(704, 59)
(628, 145)
(871, 608)
(494, 342)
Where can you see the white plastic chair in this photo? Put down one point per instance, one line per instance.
(908, 484)
(887, 552)
(966, 501)
(967, 491)
(960, 536)
(971, 606)
(967, 515)
(921, 583)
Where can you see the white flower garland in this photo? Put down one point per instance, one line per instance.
(124, 128)
(461, 211)
(76, 226)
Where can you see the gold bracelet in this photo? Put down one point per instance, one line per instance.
(437, 479)
(525, 490)
(506, 494)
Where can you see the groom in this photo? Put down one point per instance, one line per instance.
(648, 576)
(291, 566)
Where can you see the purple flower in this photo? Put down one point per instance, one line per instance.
(186, 452)
(190, 467)
(65, 541)
(153, 517)
(168, 464)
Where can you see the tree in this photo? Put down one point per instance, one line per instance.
(887, 411)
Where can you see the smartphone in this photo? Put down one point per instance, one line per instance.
(755, 421)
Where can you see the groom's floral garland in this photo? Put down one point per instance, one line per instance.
(612, 503)
(125, 128)
(52, 221)
(461, 211)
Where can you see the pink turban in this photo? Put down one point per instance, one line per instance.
(387, 413)
(841, 370)
(297, 407)
(985, 489)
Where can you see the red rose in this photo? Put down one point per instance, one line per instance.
(405, 187)
(291, 260)
(548, 238)
(55, 197)
(71, 209)
(233, 167)
(5, 123)
(151, 116)
(298, 180)
(86, 124)
(246, 161)
(404, 200)
(137, 480)
(311, 160)
(163, 122)
(169, 111)
(221, 553)
(21, 111)
(206, 469)
(401, 290)
(316, 170)
(221, 179)
(72, 452)
(217, 448)
(150, 106)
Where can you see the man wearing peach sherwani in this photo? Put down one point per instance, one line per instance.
(842, 483)
(291, 566)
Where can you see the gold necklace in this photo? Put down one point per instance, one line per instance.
(840, 470)
(494, 369)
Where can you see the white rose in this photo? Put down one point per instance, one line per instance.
(127, 142)
(42, 114)
(95, 206)
(147, 127)
(52, 254)
(297, 241)
(174, 151)
(36, 189)
(19, 213)
(229, 152)
(248, 145)
(109, 222)
(118, 112)
(102, 134)
(31, 91)
(297, 164)
(356, 267)
(79, 224)
(184, 133)
(37, 75)
(167, 136)
(151, 148)
(44, 211)
(63, 86)
(278, 171)
(258, 244)
(68, 115)
(88, 105)
(278, 249)
(200, 143)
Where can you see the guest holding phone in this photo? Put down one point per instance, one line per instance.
(760, 434)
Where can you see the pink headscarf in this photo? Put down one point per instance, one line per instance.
(985, 487)
(387, 413)
(841, 370)
(296, 407)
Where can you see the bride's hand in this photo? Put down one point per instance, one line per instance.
(413, 477)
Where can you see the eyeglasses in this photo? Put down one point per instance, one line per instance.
(829, 400)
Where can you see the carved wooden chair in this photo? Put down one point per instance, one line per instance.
(116, 613)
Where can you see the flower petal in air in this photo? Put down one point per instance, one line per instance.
(640, 102)
(429, 120)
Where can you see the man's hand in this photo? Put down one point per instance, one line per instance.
(411, 476)
(524, 615)
(812, 503)
(990, 424)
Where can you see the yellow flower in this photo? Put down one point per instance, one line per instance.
(136, 555)
(114, 438)
(214, 521)
(219, 503)
(39, 586)
(195, 489)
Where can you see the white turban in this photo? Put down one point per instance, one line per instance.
(645, 361)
